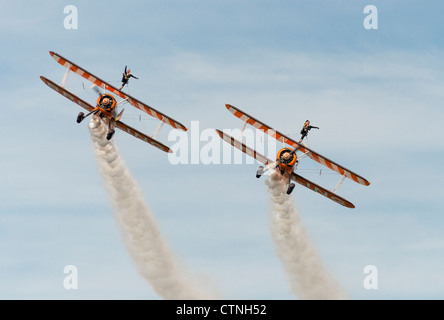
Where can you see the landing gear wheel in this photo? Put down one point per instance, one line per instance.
(290, 188)
(260, 172)
(110, 135)
(80, 117)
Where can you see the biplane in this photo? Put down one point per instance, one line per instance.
(106, 105)
(287, 159)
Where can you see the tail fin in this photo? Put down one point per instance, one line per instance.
(120, 115)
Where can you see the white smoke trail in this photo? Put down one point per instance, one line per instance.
(305, 271)
(140, 233)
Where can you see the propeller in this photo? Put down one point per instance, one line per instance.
(96, 89)
(287, 156)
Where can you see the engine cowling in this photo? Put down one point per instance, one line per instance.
(106, 102)
(287, 157)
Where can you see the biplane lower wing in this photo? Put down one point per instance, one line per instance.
(106, 86)
(283, 138)
(85, 105)
(122, 126)
(242, 147)
(322, 191)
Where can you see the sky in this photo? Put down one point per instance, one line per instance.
(375, 94)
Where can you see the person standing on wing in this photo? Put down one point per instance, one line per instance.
(126, 76)
(307, 127)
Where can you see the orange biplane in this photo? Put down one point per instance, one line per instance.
(106, 104)
(287, 159)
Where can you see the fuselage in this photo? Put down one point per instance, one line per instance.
(107, 105)
(287, 160)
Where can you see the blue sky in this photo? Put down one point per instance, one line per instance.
(375, 94)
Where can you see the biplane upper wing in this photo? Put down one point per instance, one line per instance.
(322, 191)
(283, 138)
(122, 126)
(245, 149)
(106, 86)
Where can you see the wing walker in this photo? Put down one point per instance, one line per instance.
(288, 158)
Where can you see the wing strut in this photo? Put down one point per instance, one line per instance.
(65, 77)
(339, 183)
(242, 131)
(157, 129)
